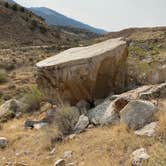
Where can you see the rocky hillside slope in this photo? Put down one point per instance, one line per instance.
(19, 26)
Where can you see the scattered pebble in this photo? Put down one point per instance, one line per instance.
(138, 156)
(60, 162)
(67, 154)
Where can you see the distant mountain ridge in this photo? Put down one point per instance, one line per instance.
(54, 18)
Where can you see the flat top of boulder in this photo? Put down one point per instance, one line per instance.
(80, 53)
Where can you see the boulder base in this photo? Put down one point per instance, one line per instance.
(88, 73)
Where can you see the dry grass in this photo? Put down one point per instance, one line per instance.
(106, 146)
(65, 119)
(26, 146)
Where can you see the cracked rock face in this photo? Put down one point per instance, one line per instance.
(88, 73)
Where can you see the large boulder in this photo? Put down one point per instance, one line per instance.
(137, 113)
(88, 73)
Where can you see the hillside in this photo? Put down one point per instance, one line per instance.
(138, 33)
(19, 26)
(54, 18)
(147, 54)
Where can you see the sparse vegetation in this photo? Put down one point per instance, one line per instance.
(65, 119)
(15, 7)
(33, 99)
(33, 25)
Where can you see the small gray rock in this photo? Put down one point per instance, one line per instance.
(82, 123)
(3, 142)
(40, 125)
(138, 156)
(34, 124)
(148, 130)
(67, 154)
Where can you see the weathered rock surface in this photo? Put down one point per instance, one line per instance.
(83, 106)
(108, 111)
(10, 108)
(95, 115)
(3, 142)
(87, 73)
(102, 115)
(148, 130)
(145, 92)
(138, 156)
(158, 91)
(81, 124)
(137, 113)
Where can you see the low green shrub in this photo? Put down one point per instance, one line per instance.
(22, 9)
(33, 99)
(3, 76)
(15, 7)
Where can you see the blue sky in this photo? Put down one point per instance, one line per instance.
(111, 15)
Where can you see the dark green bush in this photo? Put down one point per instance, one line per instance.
(22, 9)
(7, 5)
(33, 25)
(15, 7)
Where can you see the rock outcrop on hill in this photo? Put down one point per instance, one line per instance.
(88, 73)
